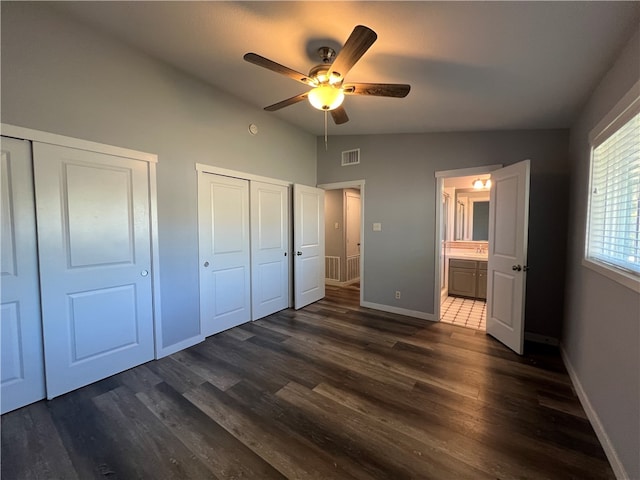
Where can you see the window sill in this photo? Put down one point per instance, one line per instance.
(626, 279)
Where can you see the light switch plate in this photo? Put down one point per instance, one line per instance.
(377, 227)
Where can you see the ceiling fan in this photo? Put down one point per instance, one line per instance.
(327, 79)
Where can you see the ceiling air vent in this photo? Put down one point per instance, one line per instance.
(351, 157)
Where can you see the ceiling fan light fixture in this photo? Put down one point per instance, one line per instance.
(326, 97)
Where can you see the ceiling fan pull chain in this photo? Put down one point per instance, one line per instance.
(326, 141)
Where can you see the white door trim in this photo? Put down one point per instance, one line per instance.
(225, 172)
(64, 141)
(440, 176)
(357, 184)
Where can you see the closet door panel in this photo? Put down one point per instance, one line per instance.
(95, 264)
(225, 263)
(269, 248)
(22, 378)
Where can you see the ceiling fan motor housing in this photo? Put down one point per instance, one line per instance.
(326, 80)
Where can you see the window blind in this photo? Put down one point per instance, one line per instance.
(614, 200)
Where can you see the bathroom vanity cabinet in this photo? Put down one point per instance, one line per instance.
(468, 278)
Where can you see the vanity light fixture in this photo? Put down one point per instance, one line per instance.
(479, 184)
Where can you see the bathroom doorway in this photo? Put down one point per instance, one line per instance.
(462, 246)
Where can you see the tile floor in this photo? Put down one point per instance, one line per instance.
(465, 312)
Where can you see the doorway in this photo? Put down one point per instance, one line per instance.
(506, 266)
(463, 247)
(344, 253)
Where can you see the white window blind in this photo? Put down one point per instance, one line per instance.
(613, 235)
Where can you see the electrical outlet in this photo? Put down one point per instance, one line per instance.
(397, 294)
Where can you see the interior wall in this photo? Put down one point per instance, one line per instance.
(63, 77)
(401, 190)
(601, 337)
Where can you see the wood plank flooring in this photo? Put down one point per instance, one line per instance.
(331, 391)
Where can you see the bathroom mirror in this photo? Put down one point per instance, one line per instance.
(471, 215)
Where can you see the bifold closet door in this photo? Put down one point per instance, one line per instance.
(225, 257)
(94, 246)
(269, 248)
(22, 380)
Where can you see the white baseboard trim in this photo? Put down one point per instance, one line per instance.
(400, 311)
(607, 446)
(537, 338)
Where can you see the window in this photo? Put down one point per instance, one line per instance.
(613, 226)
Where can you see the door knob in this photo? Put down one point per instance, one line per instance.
(516, 268)
(206, 264)
(298, 253)
(144, 273)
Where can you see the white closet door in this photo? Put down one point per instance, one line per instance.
(308, 233)
(95, 261)
(225, 265)
(269, 247)
(21, 334)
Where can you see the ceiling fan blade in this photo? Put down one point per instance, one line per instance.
(276, 67)
(339, 115)
(287, 102)
(398, 90)
(358, 42)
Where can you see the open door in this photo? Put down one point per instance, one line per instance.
(308, 244)
(508, 235)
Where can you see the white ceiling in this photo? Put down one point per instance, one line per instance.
(471, 65)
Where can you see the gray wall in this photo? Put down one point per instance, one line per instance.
(59, 76)
(400, 193)
(602, 329)
(334, 213)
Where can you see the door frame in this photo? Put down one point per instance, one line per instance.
(354, 184)
(440, 176)
(32, 135)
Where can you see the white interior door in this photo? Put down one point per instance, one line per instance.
(22, 380)
(225, 259)
(308, 244)
(508, 235)
(352, 201)
(95, 260)
(269, 248)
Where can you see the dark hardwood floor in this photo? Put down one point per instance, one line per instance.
(330, 391)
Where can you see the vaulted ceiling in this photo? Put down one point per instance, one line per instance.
(471, 65)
